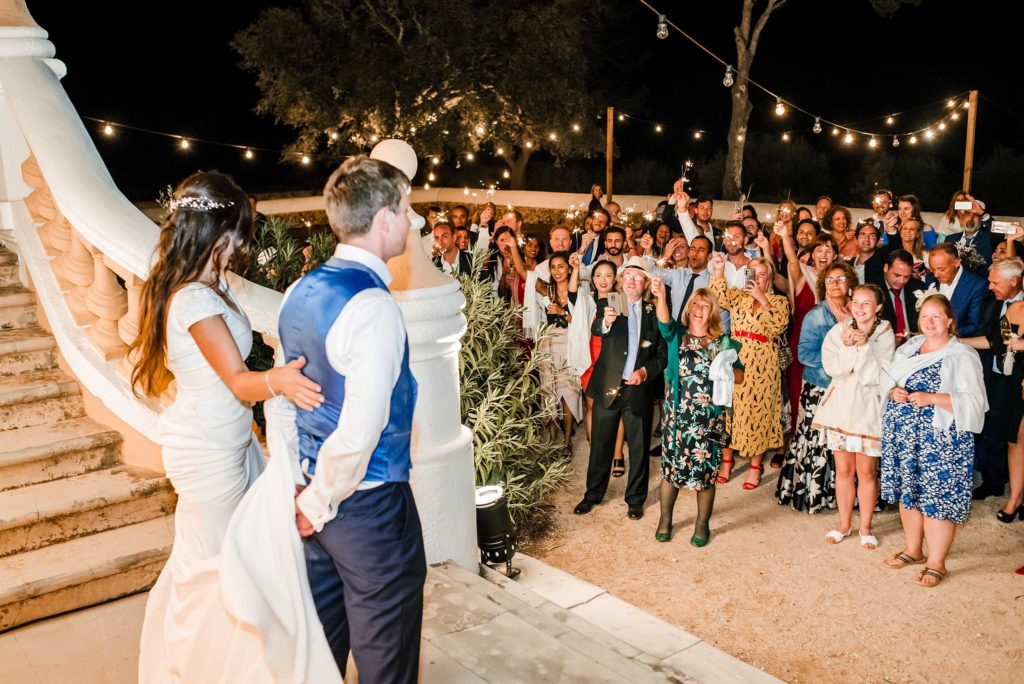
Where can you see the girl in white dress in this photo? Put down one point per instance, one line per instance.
(194, 332)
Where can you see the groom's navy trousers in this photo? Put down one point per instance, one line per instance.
(366, 571)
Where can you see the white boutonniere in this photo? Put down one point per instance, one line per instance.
(644, 344)
(920, 295)
(649, 308)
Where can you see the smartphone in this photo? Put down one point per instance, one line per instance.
(748, 276)
(618, 302)
(1002, 227)
(963, 206)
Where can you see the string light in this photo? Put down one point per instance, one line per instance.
(426, 186)
(306, 160)
(872, 143)
(552, 137)
(184, 144)
(913, 139)
(657, 128)
(529, 145)
(622, 117)
(500, 151)
(479, 130)
(505, 174)
(334, 135)
(890, 119)
(662, 31)
(739, 137)
(817, 125)
(466, 191)
(929, 134)
(374, 138)
(848, 138)
(785, 137)
(835, 131)
(942, 125)
(967, 104)
(780, 109)
(249, 154)
(696, 135)
(469, 156)
(435, 161)
(955, 116)
(951, 103)
(895, 141)
(575, 128)
(431, 176)
(108, 129)
(728, 80)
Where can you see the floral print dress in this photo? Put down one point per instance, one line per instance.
(924, 469)
(690, 459)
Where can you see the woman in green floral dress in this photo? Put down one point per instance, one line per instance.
(694, 426)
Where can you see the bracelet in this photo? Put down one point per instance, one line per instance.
(266, 377)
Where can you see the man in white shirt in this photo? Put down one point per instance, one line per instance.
(684, 281)
(354, 507)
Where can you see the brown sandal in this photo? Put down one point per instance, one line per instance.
(939, 575)
(902, 560)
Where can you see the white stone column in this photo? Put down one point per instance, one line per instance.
(442, 448)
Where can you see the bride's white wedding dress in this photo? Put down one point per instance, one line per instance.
(233, 602)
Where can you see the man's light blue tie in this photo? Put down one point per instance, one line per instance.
(634, 341)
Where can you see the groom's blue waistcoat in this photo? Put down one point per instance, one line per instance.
(313, 306)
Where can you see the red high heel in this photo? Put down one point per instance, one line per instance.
(722, 479)
(746, 485)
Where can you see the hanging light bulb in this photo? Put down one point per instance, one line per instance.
(739, 138)
(872, 143)
(780, 109)
(412, 129)
(249, 154)
(895, 141)
(785, 137)
(529, 145)
(108, 129)
(500, 151)
(657, 128)
(913, 140)
(575, 128)
(334, 135)
(184, 144)
(662, 31)
(505, 174)
(848, 138)
(696, 135)
(622, 117)
(890, 119)
(728, 80)
(817, 125)
(306, 159)
(835, 131)
(426, 186)
(435, 161)
(465, 191)
(431, 176)
(942, 125)
(951, 103)
(480, 130)
(929, 134)
(967, 104)
(469, 156)
(552, 137)
(955, 116)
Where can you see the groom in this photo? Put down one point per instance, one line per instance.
(364, 545)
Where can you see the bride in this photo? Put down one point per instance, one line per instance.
(202, 622)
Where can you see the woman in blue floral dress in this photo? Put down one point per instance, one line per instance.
(936, 402)
(694, 427)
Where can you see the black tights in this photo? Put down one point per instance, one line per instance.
(705, 504)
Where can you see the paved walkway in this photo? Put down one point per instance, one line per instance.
(546, 627)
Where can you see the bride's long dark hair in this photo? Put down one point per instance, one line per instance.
(207, 206)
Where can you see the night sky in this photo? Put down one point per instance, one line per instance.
(171, 69)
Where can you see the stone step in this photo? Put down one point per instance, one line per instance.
(507, 635)
(39, 515)
(38, 398)
(7, 257)
(621, 626)
(26, 349)
(9, 274)
(49, 452)
(17, 307)
(83, 572)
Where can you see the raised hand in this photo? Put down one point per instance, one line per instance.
(717, 264)
(657, 287)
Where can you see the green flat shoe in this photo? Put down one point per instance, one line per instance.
(662, 536)
(698, 542)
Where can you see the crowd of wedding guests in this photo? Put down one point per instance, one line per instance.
(872, 363)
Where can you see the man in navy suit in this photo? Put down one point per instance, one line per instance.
(975, 234)
(966, 292)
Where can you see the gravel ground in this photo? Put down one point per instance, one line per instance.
(769, 590)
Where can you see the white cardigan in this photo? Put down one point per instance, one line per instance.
(961, 377)
(852, 404)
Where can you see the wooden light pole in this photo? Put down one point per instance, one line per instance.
(972, 121)
(609, 150)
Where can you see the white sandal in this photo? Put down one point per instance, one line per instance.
(835, 536)
(869, 541)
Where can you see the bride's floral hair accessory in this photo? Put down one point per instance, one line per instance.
(198, 204)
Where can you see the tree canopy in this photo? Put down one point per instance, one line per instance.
(449, 78)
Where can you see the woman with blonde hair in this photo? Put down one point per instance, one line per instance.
(758, 317)
(935, 399)
(696, 402)
(856, 355)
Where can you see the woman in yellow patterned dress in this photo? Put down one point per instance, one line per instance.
(758, 317)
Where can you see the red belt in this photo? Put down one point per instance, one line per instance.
(751, 335)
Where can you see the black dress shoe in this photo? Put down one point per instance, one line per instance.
(636, 511)
(583, 507)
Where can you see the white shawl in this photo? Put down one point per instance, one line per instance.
(722, 377)
(578, 342)
(960, 376)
